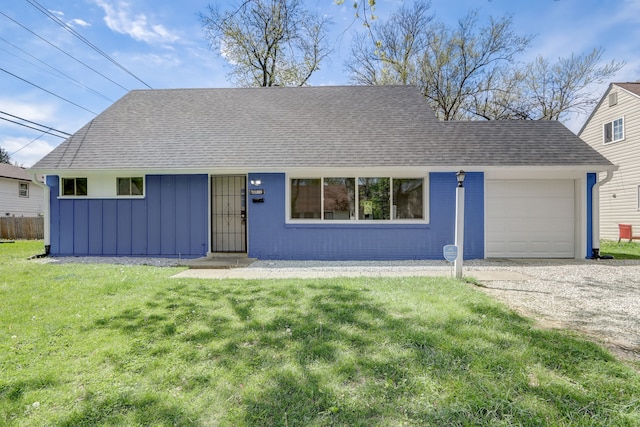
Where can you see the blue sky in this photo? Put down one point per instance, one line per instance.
(161, 42)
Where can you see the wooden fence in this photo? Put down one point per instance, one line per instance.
(12, 228)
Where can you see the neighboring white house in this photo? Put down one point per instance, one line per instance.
(614, 130)
(18, 195)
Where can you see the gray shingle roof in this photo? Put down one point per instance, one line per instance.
(14, 172)
(283, 127)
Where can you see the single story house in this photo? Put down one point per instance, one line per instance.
(324, 173)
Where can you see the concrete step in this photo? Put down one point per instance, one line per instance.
(219, 261)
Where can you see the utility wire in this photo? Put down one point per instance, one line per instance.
(31, 127)
(49, 128)
(61, 73)
(49, 92)
(27, 144)
(61, 50)
(64, 25)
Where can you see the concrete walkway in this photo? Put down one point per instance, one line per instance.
(330, 272)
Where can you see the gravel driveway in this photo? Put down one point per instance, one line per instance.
(598, 298)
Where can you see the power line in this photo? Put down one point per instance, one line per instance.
(61, 73)
(61, 50)
(49, 92)
(27, 144)
(31, 127)
(68, 28)
(48, 128)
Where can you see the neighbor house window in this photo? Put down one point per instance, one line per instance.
(23, 190)
(614, 131)
(357, 198)
(74, 186)
(130, 186)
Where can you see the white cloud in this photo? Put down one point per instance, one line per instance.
(77, 21)
(26, 146)
(26, 152)
(121, 19)
(34, 111)
(80, 22)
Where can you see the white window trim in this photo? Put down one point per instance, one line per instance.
(296, 221)
(613, 140)
(132, 196)
(20, 184)
(75, 196)
(102, 186)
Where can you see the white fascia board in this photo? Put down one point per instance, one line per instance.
(511, 171)
(544, 172)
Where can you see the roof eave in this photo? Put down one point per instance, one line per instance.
(525, 169)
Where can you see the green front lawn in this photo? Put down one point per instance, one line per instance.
(86, 345)
(622, 250)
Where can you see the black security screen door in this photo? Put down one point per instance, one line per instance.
(228, 214)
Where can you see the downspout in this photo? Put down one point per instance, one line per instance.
(595, 215)
(47, 214)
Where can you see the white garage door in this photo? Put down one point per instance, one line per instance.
(530, 218)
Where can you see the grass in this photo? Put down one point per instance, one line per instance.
(622, 250)
(86, 345)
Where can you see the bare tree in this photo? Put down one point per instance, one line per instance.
(268, 42)
(473, 72)
(463, 64)
(556, 90)
(452, 66)
(390, 52)
(4, 156)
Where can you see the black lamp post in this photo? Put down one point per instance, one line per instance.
(459, 232)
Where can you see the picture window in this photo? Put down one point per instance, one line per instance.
(357, 198)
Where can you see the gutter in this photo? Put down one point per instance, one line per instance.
(595, 217)
(47, 215)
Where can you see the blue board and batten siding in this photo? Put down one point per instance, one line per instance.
(271, 237)
(170, 221)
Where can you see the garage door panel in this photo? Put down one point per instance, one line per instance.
(530, 218)
(539, 188)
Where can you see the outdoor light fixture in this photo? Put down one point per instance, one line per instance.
(460, 177)
(256, 182)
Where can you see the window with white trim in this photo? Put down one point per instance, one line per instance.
(74, 187)
(614, 131)
(357, 199)
(23, 189)
(130, 186)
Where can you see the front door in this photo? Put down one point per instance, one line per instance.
(228, 213)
